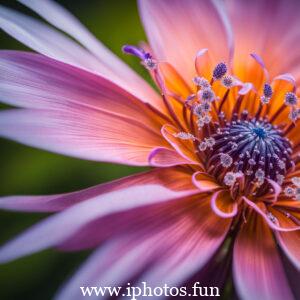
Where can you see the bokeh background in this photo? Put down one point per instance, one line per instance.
(25, 170)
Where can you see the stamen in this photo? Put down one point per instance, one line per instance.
(185, 136)
(210, 142)
(203, 146)
(219, 71)
(255, 148)
(146, 57)
(294, 115)
(226, 160)
(207, 95)
(290, 99)
(228, 81)
(289, 191)
(231, 177)
(201, 82)
(268, 92)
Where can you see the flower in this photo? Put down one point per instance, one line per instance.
(225, 177)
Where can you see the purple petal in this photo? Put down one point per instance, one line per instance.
(59, 227)
(50, 42)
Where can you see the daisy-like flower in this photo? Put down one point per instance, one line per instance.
(222, 137)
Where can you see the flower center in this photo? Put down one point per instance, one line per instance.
(252, 148)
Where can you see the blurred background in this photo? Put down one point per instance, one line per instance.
(28, 171)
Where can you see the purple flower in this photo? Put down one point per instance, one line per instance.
(225, 173)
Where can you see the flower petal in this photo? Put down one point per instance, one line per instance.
(223, 204)
(290, 243)
(46, 40)
(170, 250)
(143, 221)
(35, 81)
(183, 147)
(204, 237)
(177, 31)
(86, 134)
(164, 157)
(204, 182)
(271, 19)
(49, 233)
(176, 179)
(85, 110)
(258, 271)
(173, 81)
(277, 224)
(50, 42)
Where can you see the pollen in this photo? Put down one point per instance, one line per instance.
(226, 160)
(291, 99)
(228, 81)
(185, 136)
(201, 82)
(294, 115)
(253, 147)
(289, 191)
(203, 146)
(207, 95)
(219, 71)
(268, 92)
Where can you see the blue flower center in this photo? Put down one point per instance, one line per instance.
(252, 148)
(260, 132)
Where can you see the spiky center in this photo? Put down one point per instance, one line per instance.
(242, 149)
(254, 148)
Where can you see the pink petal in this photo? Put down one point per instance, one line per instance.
(167, 254)
(87, 116)
(290, 244)
(177, 31)
(51, 42)
(204, 63)
(198, 244)
(223, 205)
(46, 40)
(92, 135)
(164, 157)
(183, 147)
(35, 81)
(257, 26)
(109, 265)
(258, 271)
(49, 233)
(177, 179)
(277, 224)
(204, 182)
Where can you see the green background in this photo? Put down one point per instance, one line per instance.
(25, 170)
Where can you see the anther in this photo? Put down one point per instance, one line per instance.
(290, 99)
(228, 81)
(201, 82)
(289, 191)
(268, 92)
(219, 71)
(207, 95)
(226, 160)
(146, 57)
(294, 115)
